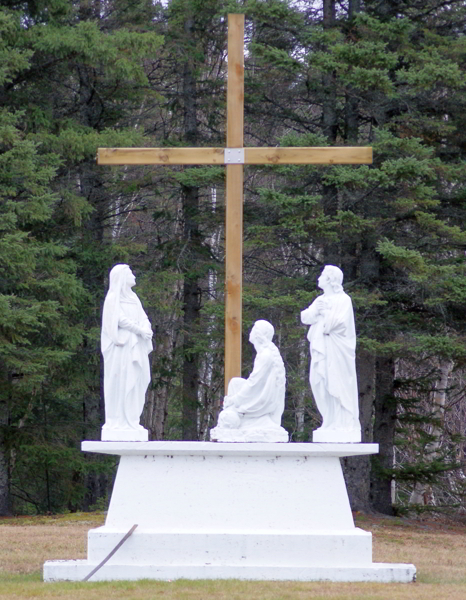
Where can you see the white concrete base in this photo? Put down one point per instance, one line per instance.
(212, 510)
(76, 570)
(124, 435)
(223, 434)
(336, 436)
(312, 548)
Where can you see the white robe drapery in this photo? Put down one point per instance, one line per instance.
(253, 407)
(260, 399)
(332, 338)
(126, 354)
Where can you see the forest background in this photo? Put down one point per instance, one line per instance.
(78, 75)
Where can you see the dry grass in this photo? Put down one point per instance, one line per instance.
(437, 549)
(27, 542)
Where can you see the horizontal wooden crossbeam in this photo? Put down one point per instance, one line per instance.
(218, 156)
(160, 156)
(313, 156)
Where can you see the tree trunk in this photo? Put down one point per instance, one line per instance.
(357, 469)
(329, 113)
(94, 273)
(422, 492)
(302, 391)
(354, 6)
(4, 464)
(351, 116)
(329, 129)
(191, 306)
(385, 406)
(351, 104)
(156, 406)
(192, 235)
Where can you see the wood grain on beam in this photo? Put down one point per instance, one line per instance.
(216, 156)
(160, 156)
(234, 201)
(235, 89)
(304, 155)
(234, 271)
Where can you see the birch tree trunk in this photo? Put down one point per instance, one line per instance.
(422, 492)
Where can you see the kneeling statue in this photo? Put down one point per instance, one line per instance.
(253, 408)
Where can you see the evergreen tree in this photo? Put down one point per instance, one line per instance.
(390, 227)
(72, 70)
(40, 299)
(81, 75)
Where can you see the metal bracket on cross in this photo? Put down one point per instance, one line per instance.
(234, 156)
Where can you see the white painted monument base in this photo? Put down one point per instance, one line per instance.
(213, 510)
(76, 570)
(124, 435)
(223, 434)
(332, 436)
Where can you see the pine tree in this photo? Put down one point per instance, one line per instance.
(70, 72)
(40, 296)
(388, 226)
(88, 75)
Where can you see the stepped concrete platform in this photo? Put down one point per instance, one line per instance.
(209, 510)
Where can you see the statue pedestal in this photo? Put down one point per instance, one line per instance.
(210, 510)
(333, 436)
(276, 435)
(124, 435)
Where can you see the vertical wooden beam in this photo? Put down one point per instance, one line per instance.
(235, 82)
(234, 274)
(234, 200)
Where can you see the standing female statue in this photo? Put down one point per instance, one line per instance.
(126, 343)
(332, 338)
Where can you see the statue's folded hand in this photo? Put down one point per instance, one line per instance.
(227, 401)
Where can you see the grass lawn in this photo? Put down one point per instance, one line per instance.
(438, 550)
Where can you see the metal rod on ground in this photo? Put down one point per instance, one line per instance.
(117, 547)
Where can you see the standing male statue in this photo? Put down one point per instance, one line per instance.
(332, 338)
(126, 343)
(252, 410)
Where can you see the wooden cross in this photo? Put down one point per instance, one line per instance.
(234, 156)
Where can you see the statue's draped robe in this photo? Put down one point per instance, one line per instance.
(260, 399)
(126, 361)
(332, 338)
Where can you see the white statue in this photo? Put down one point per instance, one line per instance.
(126, 343)
(253, 408)
(332, 338)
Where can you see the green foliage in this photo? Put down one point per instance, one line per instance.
(40, 297)
(67, 78)
(75, 77)
(199, 176)
(13, 60)
(395, 227)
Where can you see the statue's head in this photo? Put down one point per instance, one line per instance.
(121, 276)
(334, 276)
(262, 331)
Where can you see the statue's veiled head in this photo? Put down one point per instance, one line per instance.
(262, 331)
(121, 276)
